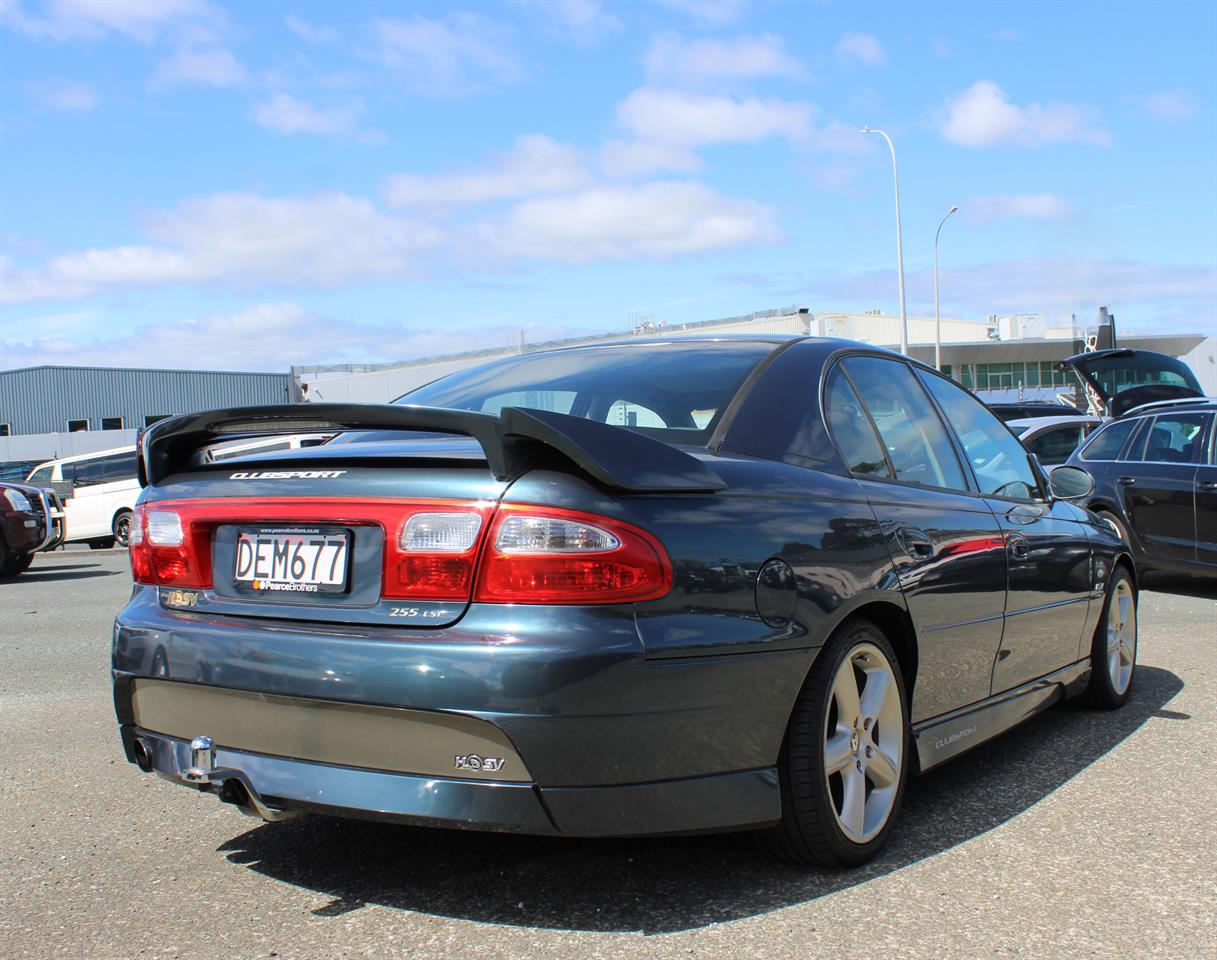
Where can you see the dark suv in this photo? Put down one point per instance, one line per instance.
(1155, 473)
(31, 519)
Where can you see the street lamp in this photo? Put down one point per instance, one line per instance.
(904, 320)
(938, 319)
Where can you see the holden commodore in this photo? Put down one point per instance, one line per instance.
(623, 589)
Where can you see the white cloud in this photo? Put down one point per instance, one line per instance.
(263, 336)
(637, 158)
(693, 62)
(583, 21)
(536, 165)
(690, 120)
(284, 113)
(709, 12)
(143, 21)
(237, 240)
(660, 219)
(1172, 106)
(200, 66)
(446, 57)
(314, 33)
(67, 95)
(1027, 206)
(983, 116)
(861, 48)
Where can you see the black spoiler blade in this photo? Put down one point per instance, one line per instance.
(614, 456)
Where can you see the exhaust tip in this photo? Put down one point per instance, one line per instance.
(143, 756)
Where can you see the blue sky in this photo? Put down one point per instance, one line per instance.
(247, 186)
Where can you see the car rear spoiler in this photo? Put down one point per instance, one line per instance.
(511, 442)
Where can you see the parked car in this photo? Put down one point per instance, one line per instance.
(808, 569)
(98, 490)
(1029, 409)
(1053, 439)
(1155, 471)
(31, 520)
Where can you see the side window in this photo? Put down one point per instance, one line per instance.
(852, 430)
(87, 472)
(916, 441)
(1175, 438)
(625, 413)
(119, 467)
(998, 459)
(1054, 446)
(1107, 442)
(558, 401)
(41, 476)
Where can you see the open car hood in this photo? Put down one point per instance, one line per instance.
(1123, 379)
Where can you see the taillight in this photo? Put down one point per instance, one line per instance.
(169, 551)
(545, 555)
(432, 555)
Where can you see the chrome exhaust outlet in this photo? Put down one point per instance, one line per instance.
(143, 756)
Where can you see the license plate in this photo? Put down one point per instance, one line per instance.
(291, 560)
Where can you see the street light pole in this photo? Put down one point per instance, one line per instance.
(904, 320)
(937, 318)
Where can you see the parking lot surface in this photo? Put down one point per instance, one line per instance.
(1080, 834)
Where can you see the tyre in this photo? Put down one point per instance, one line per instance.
(1113, 652)
(845, 757)
(11, 563)
(121, 528)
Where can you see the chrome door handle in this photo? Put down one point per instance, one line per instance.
(1207, 484)
(1127, 481)
(1018, 546)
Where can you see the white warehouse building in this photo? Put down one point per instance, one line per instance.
(1001, 358)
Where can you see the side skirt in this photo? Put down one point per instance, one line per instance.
(941, 738)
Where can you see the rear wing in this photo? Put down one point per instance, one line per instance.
(512, 442)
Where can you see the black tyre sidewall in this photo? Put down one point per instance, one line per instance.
(114, 528)
(807, 804)
(1101, 692)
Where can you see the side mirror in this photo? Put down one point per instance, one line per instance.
(1070, 483)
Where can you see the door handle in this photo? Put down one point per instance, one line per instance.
(1127, 481)
(1018, 546)
(916, 543)
(1207, 484)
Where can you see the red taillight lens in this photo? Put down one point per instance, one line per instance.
(544, 555)
(431, 554)
(169, 549)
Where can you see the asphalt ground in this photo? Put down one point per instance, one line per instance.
(1080, 834)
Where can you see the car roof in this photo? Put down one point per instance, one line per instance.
(1035, 423)
(87, 456)
(1179, 403)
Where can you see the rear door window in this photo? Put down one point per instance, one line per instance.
(1175, 438)
(1107, 442)
(914, 437)
(1055, 444)
(852, 430)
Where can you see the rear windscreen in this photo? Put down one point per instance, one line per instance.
(676, 392)
(1115, 374)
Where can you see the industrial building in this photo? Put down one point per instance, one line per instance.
(1001, 358)
(53, 411)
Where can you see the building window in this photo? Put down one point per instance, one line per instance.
(5, 430)
(111, 423)
(154, 418)
(77, 426)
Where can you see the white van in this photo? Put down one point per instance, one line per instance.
(99, 492)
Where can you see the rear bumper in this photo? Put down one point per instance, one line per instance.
(276, 788)
(597, 739)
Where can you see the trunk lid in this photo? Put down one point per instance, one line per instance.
(1123, 379)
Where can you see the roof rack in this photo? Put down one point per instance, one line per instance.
(1174, 402)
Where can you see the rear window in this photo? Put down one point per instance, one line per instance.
(676, 392)
(1118, 373)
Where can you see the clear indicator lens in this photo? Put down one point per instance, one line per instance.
(519, 534)
(165, 529)
(440, 532)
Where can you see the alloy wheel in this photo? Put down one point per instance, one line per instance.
(1121, 636)
(863, 743)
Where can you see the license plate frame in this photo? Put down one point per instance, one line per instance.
(320, 574)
